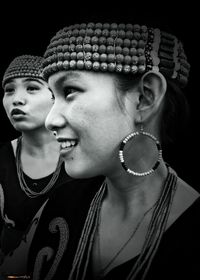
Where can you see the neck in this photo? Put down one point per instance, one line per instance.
(130, 192)
(39, 143)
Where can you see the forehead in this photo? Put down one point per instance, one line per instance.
(22, 80)
(85, 77)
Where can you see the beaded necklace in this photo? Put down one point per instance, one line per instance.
(30, 193)
(153, 237)
(104, 269)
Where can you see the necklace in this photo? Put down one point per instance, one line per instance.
(104, 269)
(153, 236)
(30, 193)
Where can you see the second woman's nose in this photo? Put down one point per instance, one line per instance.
(18, 98)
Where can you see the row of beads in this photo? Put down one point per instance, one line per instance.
(31, 73)
(119, 58)
(120, 38)
(113, 26)
(21, 74)
(105, 30)
(24, 67)
(80, 45)
(88, 65)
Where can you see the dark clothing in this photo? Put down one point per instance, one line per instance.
(18, 208)
(176, 258)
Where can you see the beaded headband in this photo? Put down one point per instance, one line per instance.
(24, 66)
(120, 48)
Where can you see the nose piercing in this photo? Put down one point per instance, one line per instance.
(54, 133)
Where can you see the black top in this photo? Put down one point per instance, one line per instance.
(176, 258)
(18, 207)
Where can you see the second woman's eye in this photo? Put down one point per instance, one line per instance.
(8, 89)
(32, 88)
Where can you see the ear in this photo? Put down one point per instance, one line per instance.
(152, 90)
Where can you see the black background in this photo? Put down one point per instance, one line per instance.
(27, 29)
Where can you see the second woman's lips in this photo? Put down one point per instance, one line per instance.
(17, 111)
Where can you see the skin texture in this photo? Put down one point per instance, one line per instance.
(30, 95)
(87, 109)
(40, 150)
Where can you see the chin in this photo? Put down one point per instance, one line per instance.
(78, 173)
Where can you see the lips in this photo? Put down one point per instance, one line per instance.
(67, 144)
(17, 111)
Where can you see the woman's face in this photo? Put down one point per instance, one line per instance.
(27, 102)
(89, 121)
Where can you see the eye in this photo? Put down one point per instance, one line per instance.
(8, 90)
(68, 91)
(32, 88)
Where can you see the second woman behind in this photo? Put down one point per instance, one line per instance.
(30, 166)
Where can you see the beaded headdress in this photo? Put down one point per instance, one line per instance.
(24, 66)
(125, 48)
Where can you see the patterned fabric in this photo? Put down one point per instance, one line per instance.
(176, 258)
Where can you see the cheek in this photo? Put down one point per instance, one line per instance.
(6, 104)
(44, 106)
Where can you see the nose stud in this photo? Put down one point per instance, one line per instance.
(54, 133)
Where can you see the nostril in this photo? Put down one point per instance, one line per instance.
(18, 102)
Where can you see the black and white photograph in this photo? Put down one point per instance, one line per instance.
(99, 143)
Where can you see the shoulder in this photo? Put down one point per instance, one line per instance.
(71, 199)
(185, 195)
(186, 201)
(5, 151)
(8, 146)
(76, 191)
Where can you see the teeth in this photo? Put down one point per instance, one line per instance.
(67, 144)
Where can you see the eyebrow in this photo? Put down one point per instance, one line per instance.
(34, 80)
(67, 75)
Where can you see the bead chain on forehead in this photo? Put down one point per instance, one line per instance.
(22, 182)
(153, 237)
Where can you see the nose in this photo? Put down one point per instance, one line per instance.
(19, 98)
(55, 118)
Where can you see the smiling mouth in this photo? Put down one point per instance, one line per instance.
(68, 144)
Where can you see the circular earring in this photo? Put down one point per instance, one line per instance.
(121, 155)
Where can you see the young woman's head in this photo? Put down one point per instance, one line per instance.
(109, 80)
(27, 98)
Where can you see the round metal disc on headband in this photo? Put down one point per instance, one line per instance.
(121, 155)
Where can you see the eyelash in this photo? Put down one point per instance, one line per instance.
(32, 88)
(28, 88)
(68, 91)
(8, 90)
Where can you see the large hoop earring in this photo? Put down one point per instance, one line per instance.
(121, 155)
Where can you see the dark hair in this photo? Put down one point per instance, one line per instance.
(175, 113)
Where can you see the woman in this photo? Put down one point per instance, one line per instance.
(30, 166)
(115, 88)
